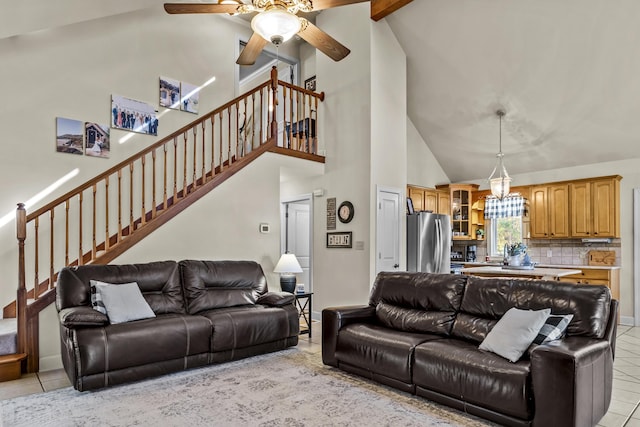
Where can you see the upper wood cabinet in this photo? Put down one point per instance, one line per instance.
(595, 208)
(444, 202)
(550, 211)
(416, 194)
(429, 199)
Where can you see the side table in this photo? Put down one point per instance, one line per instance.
(303, 304)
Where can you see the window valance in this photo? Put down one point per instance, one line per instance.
(505, 208)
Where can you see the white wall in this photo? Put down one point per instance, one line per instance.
(388, 127)
(422, 167)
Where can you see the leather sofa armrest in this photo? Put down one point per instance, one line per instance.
(82, 316)
(335, 318)
(276, 299)
(572, 381)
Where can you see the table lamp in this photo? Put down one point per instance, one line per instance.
(287, 266)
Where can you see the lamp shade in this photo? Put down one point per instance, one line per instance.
(500, 186)
(276, 25)
(288, 263)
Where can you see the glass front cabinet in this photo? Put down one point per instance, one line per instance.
(461, 214)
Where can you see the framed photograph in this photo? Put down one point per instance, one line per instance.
(169, 93)
(96, 140)
(410, 206)
(69, 136)
(339, 239)
(310, 83)
(134, 116)
(189, 97)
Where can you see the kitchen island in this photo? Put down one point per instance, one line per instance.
(506, 271)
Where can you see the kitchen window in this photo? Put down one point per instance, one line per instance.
(504, 223)
(502, 231)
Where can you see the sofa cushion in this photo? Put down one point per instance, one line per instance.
(123, 302)
(553, 329)
(459, 369)
(414, 320)
(126, 345)
(486, 300)
(423, 291)
(515, 332)
(249, 325)
(159, 283)
(379, 349)
(216, 284)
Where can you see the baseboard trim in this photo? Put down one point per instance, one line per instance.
(627, 321)
(50, 363)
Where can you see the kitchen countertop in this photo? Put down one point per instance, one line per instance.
(581, 267)
(497, 270)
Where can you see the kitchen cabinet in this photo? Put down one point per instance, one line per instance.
(416, 194)
(461, 196)
(595, 208)
(429, 199)
(444, 202)
(550, 211)
(610, 277)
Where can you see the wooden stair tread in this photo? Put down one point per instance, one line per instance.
(11, 366)
(12, 358)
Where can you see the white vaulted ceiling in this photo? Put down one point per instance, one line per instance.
(566, 72)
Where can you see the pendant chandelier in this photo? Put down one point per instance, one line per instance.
(501, 184)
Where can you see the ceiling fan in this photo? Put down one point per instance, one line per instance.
(276, 21)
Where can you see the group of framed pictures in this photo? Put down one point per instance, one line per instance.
(345, 213)
(92, 139)
(78, 137)
(179, 95)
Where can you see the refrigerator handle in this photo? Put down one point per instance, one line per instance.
(438, 245)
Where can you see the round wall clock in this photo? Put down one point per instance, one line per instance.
(345, 212)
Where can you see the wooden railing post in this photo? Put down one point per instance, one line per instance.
(274, 102)
(21, 300)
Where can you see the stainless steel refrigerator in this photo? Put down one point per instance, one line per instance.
(429, 242)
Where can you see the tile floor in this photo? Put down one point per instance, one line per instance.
(623, 412)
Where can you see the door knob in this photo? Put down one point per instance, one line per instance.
(396, 265)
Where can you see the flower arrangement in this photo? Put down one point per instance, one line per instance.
(516, 248)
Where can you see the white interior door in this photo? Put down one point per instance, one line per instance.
(388, 225)
(297, 238)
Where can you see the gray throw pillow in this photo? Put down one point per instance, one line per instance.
(123, 302)
(514, 332)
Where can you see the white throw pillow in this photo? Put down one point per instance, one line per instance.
(124, 302)
(515, 332)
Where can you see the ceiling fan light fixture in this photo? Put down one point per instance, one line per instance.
(501, 184)
(276, 25)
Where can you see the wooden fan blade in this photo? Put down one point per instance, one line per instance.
(322, 41)
(252, 50)
(328, 4)
(179, 8)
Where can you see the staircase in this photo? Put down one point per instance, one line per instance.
(102, 218)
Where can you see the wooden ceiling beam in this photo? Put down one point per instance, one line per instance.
(382, 8)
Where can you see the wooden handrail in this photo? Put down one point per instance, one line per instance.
(163, 179)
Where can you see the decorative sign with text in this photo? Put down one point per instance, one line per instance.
(341, 239)
(331, 213)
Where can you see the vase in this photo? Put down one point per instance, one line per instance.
(515, 260)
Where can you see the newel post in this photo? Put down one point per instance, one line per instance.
(274, 102)
(21, 299)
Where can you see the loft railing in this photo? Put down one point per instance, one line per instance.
(100, 219)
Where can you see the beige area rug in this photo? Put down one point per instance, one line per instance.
(289, 388)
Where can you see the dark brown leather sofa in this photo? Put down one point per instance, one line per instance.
(420, 333)
(206, 312)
